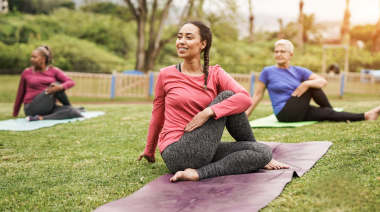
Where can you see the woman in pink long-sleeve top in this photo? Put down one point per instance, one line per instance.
(39, 88)
(192, 106)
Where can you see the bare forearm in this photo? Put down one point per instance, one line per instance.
(316, 83)
(209, 112)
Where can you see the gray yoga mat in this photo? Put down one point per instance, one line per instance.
(240, 193)
(21, 124)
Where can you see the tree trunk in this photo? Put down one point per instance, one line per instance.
(376, 38)
(140, 53)
(300, 29)
(251, 18)
(141, 35)
(146, 56)
(281, 32)
(345, 30)
(156, 43)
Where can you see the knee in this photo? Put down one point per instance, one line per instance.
(74, 112)
(222, 96)
(58, 83)
(226, 94)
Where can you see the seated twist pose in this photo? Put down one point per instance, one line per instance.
(192, 106)
(291, 89)
(39, 88)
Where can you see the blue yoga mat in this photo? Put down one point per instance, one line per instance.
(21, 124)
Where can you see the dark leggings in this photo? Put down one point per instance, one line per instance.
(299, 109)
(44, 105)
(202, 150)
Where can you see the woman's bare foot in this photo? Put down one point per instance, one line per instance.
(372, 114)
(273, 164)
(188, 175)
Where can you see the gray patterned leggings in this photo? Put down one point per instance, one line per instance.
(202, 150)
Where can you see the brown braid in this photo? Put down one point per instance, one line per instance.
(206, 35)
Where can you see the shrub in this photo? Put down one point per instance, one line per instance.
(69, 54)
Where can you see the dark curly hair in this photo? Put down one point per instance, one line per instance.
(206, 35)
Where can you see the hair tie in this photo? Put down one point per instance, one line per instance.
(44, 50)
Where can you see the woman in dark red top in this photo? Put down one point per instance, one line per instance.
(40, 86)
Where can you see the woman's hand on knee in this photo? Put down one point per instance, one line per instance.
(199, 119)
(149, 159)
(54, 88)
(302, 88)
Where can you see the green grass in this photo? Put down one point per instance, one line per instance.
(82, 165)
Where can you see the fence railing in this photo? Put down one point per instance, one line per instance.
(362, 83)
(90, 85)
(142, 86)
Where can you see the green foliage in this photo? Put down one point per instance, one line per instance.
(311, 30)
(67, 4)
(112, 32)
(109, 8)
(362, 33)
(116, 37)
(108, 31)
(39, 6)
(69, 54)
(67, 28)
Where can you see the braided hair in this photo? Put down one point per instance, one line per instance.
(46, 51)
(206, 35)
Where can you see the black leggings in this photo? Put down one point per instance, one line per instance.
(202, 150)
(44, 105)
(299, 109)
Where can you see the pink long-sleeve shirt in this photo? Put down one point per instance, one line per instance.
(33, 83)
(180, 97)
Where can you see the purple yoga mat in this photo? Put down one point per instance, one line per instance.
(245, 192)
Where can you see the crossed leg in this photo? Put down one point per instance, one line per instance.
(200, 154)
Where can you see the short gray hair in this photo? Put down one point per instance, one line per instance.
(288, 45)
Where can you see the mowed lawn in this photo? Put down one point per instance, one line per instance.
(80, 166)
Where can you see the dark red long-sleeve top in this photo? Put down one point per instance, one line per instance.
(33, 82)
(180, 97)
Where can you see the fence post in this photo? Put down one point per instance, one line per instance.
(342, 86)
(252, 83)
(113, 84)
(151, 79)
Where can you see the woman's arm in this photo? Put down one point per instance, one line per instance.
(237, 103)
(65, 81)
(256, 98)
(199, 119)
(314, 81)
(156, 122)
(20, 95)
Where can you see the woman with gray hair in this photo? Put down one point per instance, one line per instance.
(291, 89)
(40, 86)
